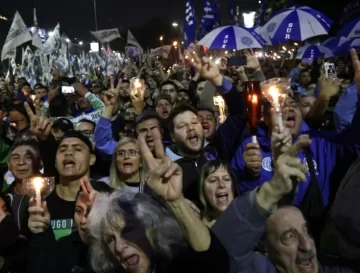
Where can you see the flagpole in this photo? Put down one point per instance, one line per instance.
(95, 13)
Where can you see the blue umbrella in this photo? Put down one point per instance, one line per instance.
(345, 47)
(313, 51)
(351, 29)
(232, 37)
(334, 42)
(297, 24)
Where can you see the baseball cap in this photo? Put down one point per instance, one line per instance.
(63, 124)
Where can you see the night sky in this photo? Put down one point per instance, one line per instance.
(76, 17)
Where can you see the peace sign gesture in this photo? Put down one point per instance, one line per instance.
(40, 126)
(112, 95)
(165, 176)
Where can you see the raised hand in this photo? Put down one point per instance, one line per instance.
(253, 159)
(207, 69)
(112, 95)
(80, 89)
(165, 176)
(137, 92)
(252, 62)
(280, 141)
(329, 86)
(88, 192)
(40, 126)
(289, 167)
(356, 66)
(39, 218)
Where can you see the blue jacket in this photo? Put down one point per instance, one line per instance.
(328, 149)
(240, 242)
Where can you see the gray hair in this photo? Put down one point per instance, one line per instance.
(166, 234)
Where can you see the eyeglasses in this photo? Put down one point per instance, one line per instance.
(130, 153)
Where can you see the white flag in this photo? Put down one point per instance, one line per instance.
(106, 35)
(36, 40)
(18, 34)
(53, 42)
(160, 51)
(132, 41)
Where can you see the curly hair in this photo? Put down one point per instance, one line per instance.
(166, 236)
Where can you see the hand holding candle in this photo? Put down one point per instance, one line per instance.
(219, 102)
(38, 187)
(275, 91)
(137, 87)
(254, 111)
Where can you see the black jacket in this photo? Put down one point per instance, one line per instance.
(67, 255)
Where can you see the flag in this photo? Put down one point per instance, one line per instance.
(106, 35)
(262, 13)
(36, 40)
(208, 19)
(18, 34)
(160, 51)
(233, 16)
(217, 14)
(189, 24)
(132, 41)
(53, 42)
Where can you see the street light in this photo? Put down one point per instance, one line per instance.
(175, 24)
(161, 38)
(80, 43)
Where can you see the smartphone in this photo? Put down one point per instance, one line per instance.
(67, 90)
(330, 70)
(237, 61)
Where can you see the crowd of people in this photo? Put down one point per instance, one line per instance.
(155, 181)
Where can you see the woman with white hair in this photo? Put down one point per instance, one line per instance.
(133, 233)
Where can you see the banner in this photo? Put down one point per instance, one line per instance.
(132, 41)
(106, 35)
(160, 51)
(18, 34)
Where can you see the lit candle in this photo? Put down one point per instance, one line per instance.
(33, 97)
(219, 101)
(275, 94)
(38, 184)
(254, 108)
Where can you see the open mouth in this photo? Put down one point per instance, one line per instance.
(165, 113)
(222, 198)
(193, 139)
(306, 265)
(127, 165)
(69, 163)
(290, 122)
(132, 260)
(206, 127)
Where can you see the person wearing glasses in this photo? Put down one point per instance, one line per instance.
(127, 170)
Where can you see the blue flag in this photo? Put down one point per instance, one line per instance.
(233, 17)
(208, 19)
(189, 24)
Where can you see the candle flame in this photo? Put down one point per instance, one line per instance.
(38, 183)
(274, 93)
(137, 83)
(254, 99)
(219, 101)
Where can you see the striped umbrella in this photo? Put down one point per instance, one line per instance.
(296, 24)
(313, 51)
(345, 47)
(334, 42)
(351, 29)
(232, 37)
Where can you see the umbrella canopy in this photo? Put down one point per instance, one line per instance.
(296, 24)
(351, 29)
(334, 42)
(232, 37)
(264, 35)
(345, 47)
(313, 51)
